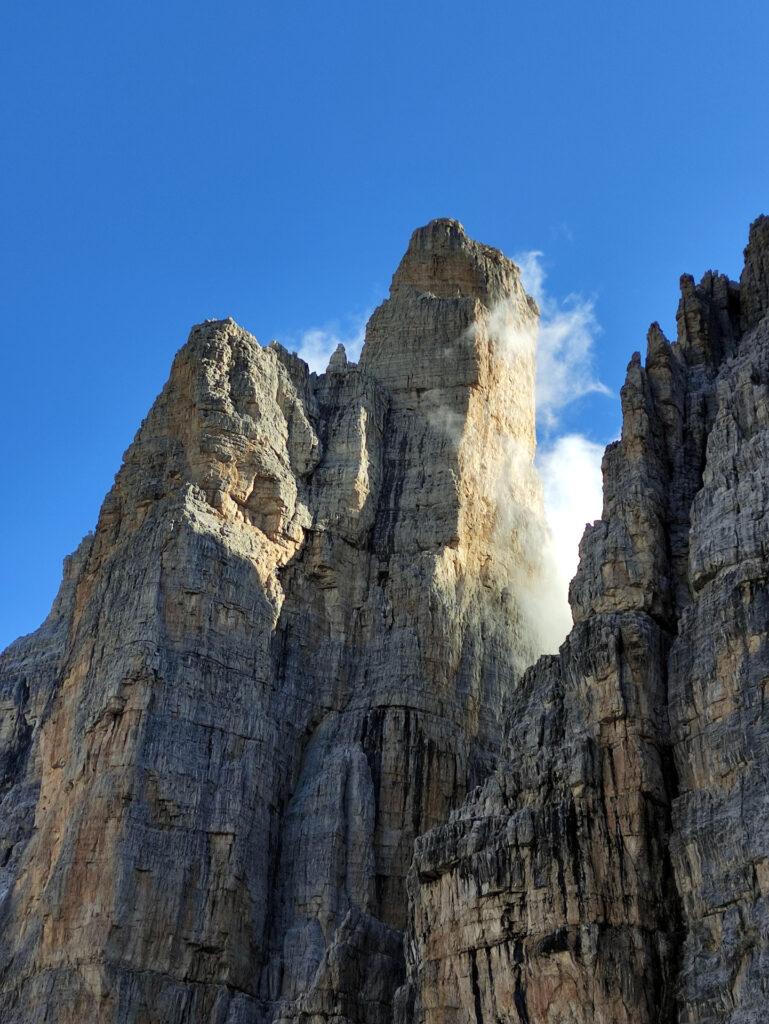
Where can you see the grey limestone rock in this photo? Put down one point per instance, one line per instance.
(614, 867)
(282, 656)
(274, 756)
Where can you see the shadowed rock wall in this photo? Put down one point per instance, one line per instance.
(250, 765)
(281, 657)
(614, 868)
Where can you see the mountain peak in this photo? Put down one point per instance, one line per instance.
(754, 281)
(442, 260)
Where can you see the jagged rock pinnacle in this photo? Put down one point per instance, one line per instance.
(283, 656)
(441, 260)
(273, 757)
(338, 360)
(615, 868)
(754, 282)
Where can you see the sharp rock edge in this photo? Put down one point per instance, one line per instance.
(275, 754)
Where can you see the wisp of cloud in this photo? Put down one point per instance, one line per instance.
(569, 465)
(564, 346)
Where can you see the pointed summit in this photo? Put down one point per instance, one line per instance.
(441, 260)
(754, 282)
(433, 330)
(338, 360)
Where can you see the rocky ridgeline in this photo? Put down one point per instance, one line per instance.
(615, 868)
(253, 766)
(281, 657)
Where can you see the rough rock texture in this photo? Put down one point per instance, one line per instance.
(281, 657)
(616, 867)
(255, 743)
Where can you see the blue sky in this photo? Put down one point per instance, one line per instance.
(165, 162)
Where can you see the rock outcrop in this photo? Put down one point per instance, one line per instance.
(615, 869)
(281, 657)
(274, 755)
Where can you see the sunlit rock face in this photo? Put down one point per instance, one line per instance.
(282, 656)
(615, 867)
(277, 754)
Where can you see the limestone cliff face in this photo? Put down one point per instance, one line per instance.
(615, 868)
(281, 657)
(250, 766)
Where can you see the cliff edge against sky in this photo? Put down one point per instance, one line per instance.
(274, 755)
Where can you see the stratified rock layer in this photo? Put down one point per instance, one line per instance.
(280, 658)
(255, 743)
(615, 868)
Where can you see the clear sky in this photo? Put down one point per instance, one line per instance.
(170, 161)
